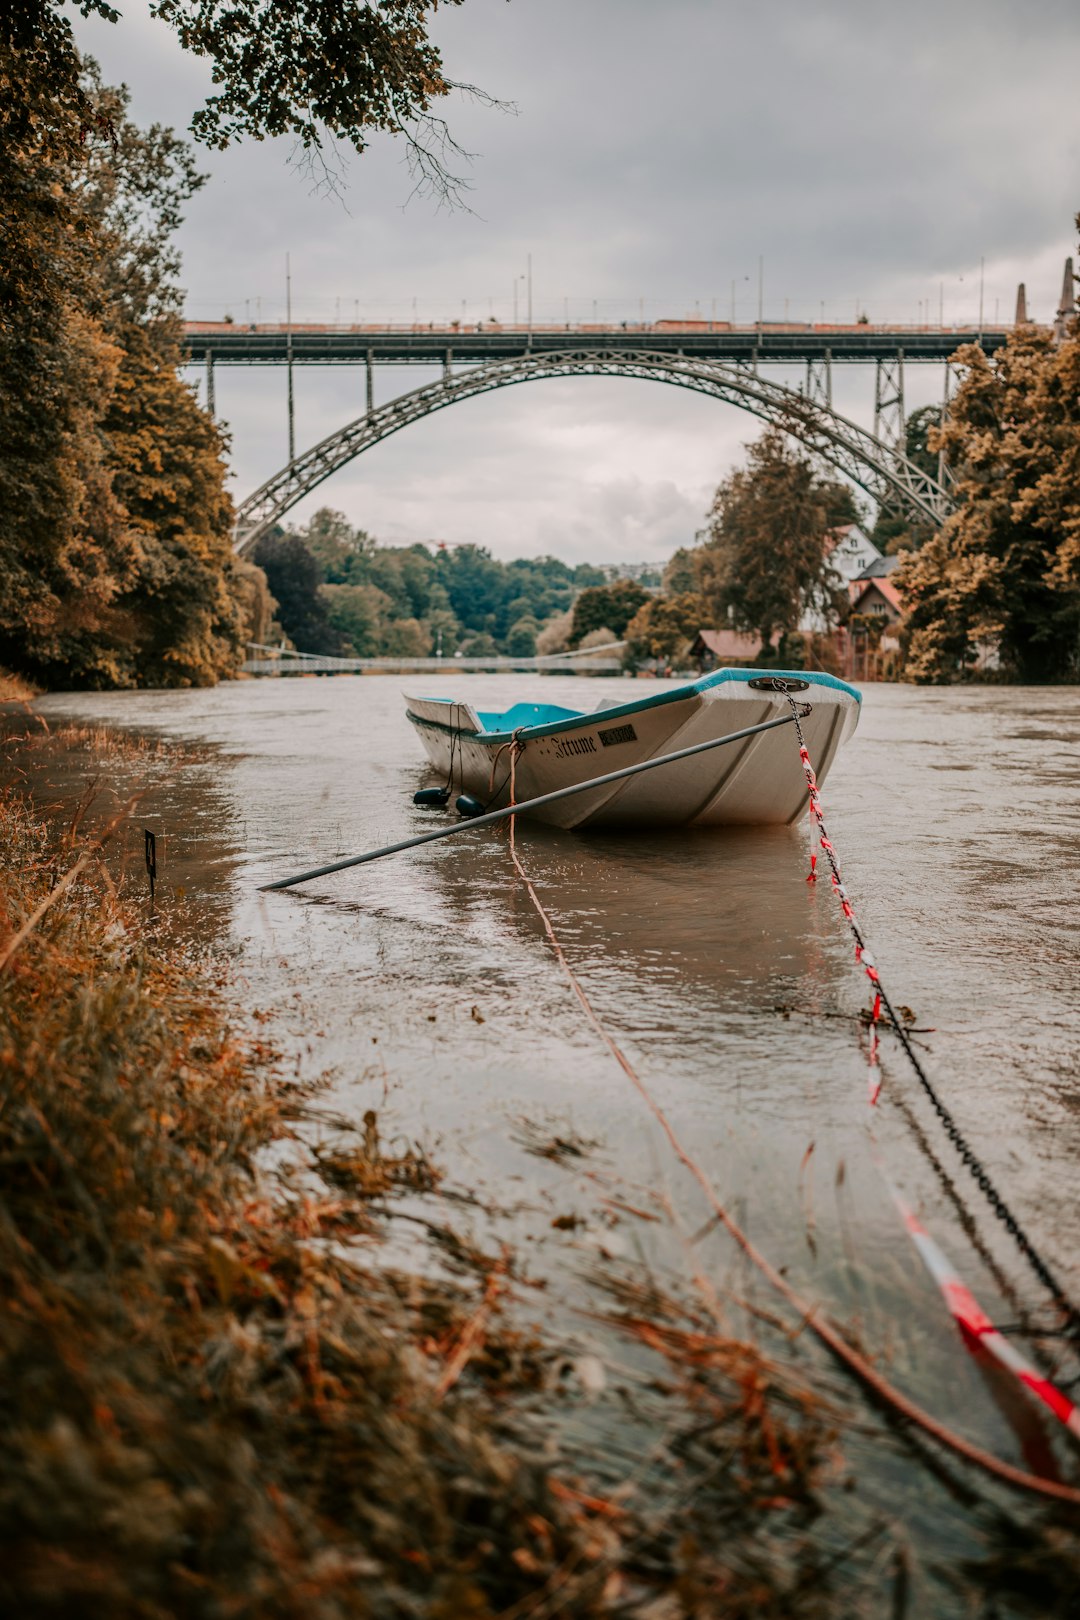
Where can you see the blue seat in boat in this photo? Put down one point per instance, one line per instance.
(526, 714)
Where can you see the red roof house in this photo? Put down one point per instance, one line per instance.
(876, 599)
(716, 647)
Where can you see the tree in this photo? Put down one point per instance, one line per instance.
(465, 589)
(419, 586)
(322, 71)
(1004, 569)
(520, 640)
(665, 625)
(293, 577)
(554, 636)
(64, 544)
(359, 614)
(341, 551)
(680, 574)
(479, 645)
(606, 606)
(166, 453)
(764, 561)
(474, 584)
(407, 638)
(597, 639)
(256, 605)
(114, 522)
(115, 554)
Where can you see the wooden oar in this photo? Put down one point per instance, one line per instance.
(492, 816)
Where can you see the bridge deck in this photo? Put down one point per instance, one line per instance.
(234, 344)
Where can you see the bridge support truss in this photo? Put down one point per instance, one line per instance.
(878, 467)
(889, 418)
(944, 474)
(819, 381)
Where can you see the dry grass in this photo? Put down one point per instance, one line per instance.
(13, 689)
(213, 1402)
(216, 1402)
(208, 1408)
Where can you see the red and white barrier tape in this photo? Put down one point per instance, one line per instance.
(977, 1326)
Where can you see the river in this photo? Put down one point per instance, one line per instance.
(424, 985)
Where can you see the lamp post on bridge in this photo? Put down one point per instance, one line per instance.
(982, 289)
(289, 357)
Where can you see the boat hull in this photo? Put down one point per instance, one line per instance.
(758, 781)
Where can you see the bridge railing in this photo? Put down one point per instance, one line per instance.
(589, 328)
(444, 666)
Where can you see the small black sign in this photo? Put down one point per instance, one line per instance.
(617, 734)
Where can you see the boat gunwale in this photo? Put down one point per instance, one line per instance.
(719, 677)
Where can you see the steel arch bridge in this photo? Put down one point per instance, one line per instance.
(884, 473)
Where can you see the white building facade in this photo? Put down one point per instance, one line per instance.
(852, 552)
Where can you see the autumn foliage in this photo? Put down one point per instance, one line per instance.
(764, 559)
(115, 552)
(1002, 576)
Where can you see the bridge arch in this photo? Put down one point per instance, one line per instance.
(851, 449)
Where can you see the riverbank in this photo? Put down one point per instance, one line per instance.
(221, 1398)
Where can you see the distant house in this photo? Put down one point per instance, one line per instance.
(712, 649)
(876, 598)
(873, 594)
(852, 551)
(864, 570)
(849, 551)
(880, 568)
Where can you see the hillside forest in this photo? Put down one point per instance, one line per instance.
(338, 591)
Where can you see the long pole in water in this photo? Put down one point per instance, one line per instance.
(493, 816)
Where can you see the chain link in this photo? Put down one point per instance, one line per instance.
(967, 1155)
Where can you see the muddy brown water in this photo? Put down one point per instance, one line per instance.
(425, 985)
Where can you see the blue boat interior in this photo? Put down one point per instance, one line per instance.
(543, 718)
(526, 714)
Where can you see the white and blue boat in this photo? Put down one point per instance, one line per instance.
(758, 781)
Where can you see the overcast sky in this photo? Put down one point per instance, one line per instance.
(868, 152)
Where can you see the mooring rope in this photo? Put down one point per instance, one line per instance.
(865, 958)
(504, 748)
(809, 1314)
(455, 746)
